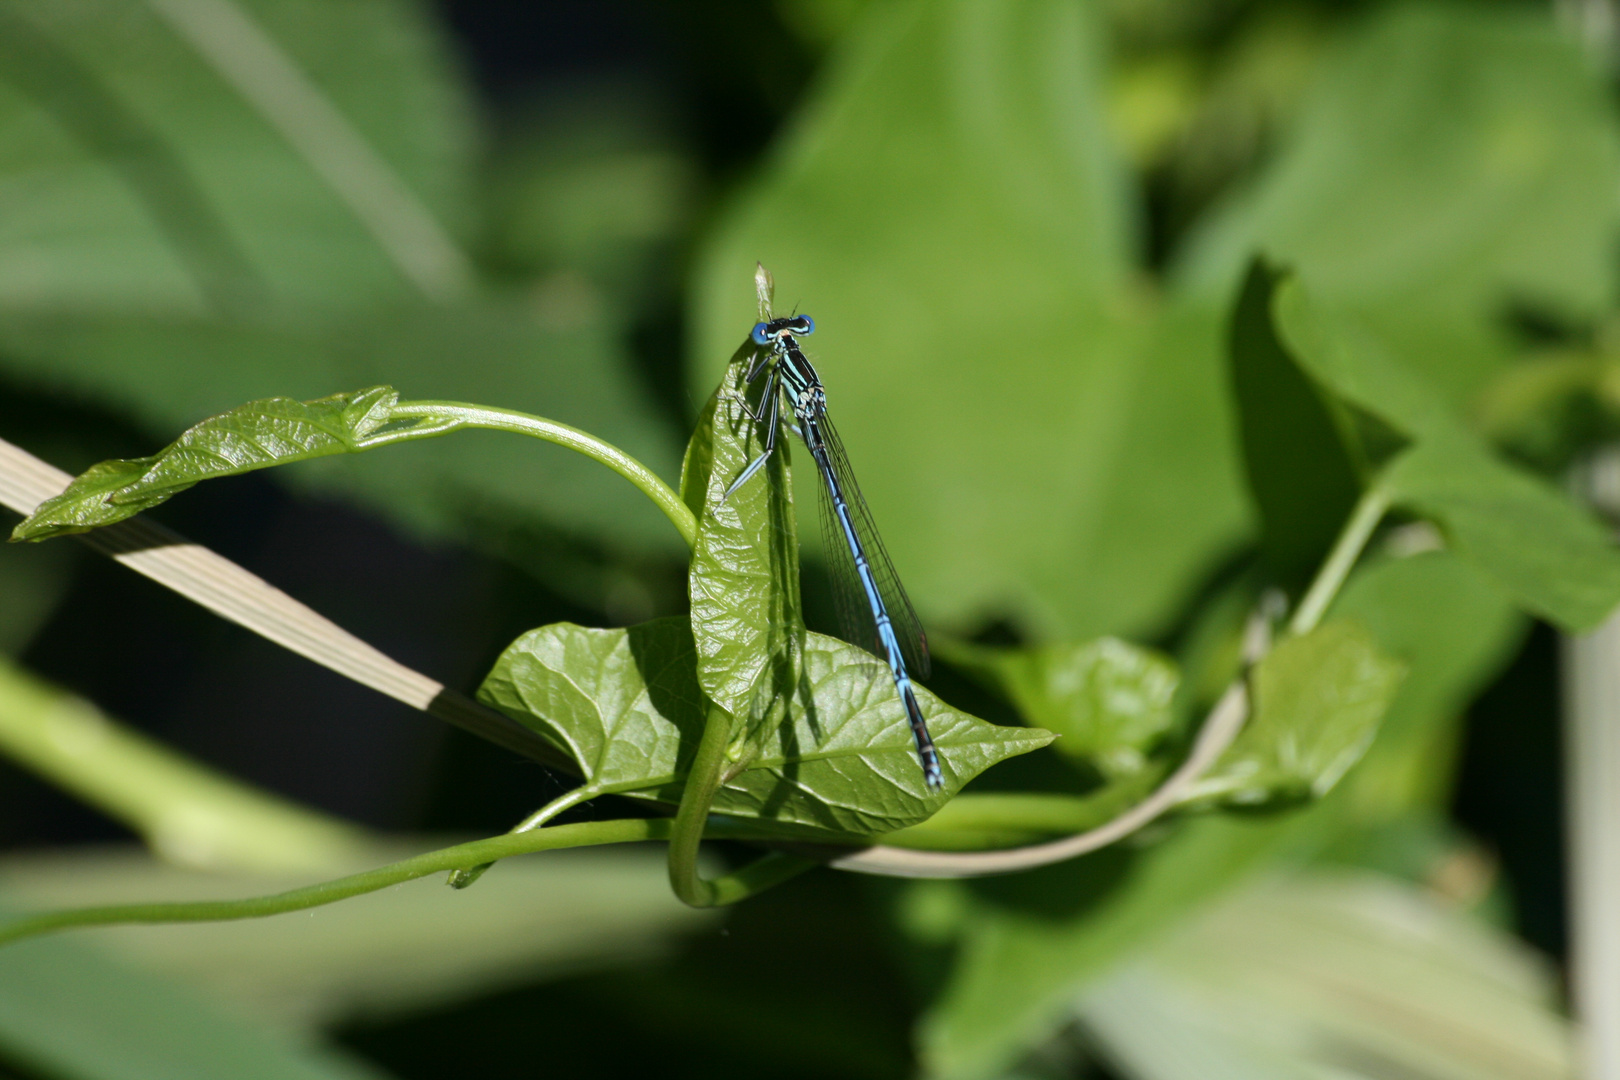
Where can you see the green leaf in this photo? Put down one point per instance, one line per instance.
(1428, 220)
(1300, 977)
(1551, 556)
(1109, 702)
(188, 157)
(411, 947)
(626, 705)
(1303, 481)
(1318, 700)
(1344, 353)
(744, 576)
(1454, 630)
(177, 248)
(1025, 950)
(67, 1009)
(169, 371)
(951, 210)
(255, 436)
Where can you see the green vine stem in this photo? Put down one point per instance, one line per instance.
(755, 877)
(1220, 728)
(461, 415)
(1369, 511)
(450, 858)
(703, 780)
(462, 878)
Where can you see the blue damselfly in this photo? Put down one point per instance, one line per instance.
(872, 605)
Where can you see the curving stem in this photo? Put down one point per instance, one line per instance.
(703, 781)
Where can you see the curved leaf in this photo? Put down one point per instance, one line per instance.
(255, 436)
(744, 576)
(1552, 556)
(626, 705)
(1301, 473)
(1429, 219)
(1024, 954)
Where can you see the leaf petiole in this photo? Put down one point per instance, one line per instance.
(460, 879)
(1369, 511)
(461, 415)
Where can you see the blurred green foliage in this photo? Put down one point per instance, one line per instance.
(1121, 308)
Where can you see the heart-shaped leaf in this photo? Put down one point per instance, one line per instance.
(1318, 700)
(1299, 469)
(627, 706)
(255, 436)
(1550, 555)
(1107, 700)
(1013, 400)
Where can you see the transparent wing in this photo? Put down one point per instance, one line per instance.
(855, 614)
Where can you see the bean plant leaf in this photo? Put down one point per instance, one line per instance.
(1452, 627)
(254, 436)
(1024, 954)
(186, 157)
(953, 212)
(1552, 556)
(1108, 701)
(1318, 700)
(1426, 220)
(744, 575)
(627, 706)
(1300, 474)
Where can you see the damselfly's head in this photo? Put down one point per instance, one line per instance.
(765, 333)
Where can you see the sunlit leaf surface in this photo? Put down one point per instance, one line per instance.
(1318, 700)
(625, 704)
(1552, 556)
(744, 575)
(254, 436)
(1107, 701)
(1035, 438)
(1026, 950)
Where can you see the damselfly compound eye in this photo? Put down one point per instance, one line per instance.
(759, 335)
(804, 324)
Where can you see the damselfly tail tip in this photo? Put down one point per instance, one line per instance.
(935, 779)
